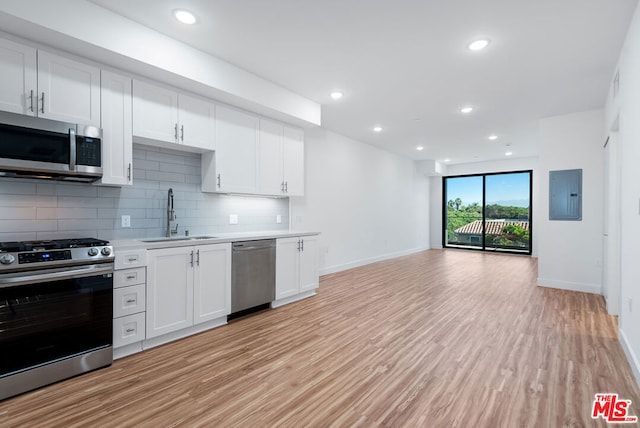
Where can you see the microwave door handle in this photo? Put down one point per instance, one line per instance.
(72, 149)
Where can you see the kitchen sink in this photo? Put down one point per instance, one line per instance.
(178, 239)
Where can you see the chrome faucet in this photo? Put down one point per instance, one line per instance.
(171, 215)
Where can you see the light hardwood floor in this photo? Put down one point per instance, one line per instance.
(436, 339)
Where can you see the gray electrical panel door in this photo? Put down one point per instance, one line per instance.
(565, 195)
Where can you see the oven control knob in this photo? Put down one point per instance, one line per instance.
(93, 251)
(7, 259)
(106, 251)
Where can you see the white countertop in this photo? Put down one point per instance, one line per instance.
(211, 238)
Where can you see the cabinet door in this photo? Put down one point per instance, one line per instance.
(270, 180)
(309, 263)
(212, 282)
(117, 149)
(197, 122)
(18, 88)
(293, 161)
(287, 272)
(155, 112)
(68, 90)
(236, 150)
(169, 290)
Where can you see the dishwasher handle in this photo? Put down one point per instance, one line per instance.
(253, 245)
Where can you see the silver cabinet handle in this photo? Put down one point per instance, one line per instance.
(198, 258)
(219, 181)
(31, 101)
(132, 259)
(42, 102)
(182, 133)
(130, 330)
(286, 187)
(302, 241)
(131, 277)
(175, 132)
(129, 173)
(191, 258)
(282, 187)
(298, 245)
(131, 301)
(72, 149)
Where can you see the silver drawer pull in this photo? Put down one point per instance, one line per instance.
(131, 277)
(132, 259)
(130, 330)
(131, 301)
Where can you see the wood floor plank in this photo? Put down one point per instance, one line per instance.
(441, 338)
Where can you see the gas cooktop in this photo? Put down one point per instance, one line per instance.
(30, 255)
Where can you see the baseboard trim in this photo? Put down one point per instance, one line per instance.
(363, 262)
(631, 356)
(175, 335)
(571, 286)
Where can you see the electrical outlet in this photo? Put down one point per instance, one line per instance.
(233, 218)
(278, 218)
(126, 221)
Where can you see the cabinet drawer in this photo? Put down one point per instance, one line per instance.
(129, 329)
(126, 277)
(129, 300)
(130, 258)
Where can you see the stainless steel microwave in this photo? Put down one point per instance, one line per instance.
(34, 147)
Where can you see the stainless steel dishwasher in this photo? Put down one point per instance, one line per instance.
(253, 274)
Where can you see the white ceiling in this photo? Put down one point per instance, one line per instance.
(404, 65)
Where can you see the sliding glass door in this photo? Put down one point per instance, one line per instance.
(489, 212)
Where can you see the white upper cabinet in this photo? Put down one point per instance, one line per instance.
(197, 122)
(19, 84)
(117, 149)
(280, 160)
(155, 112)
(232, 168)
(162, 114)
(270, 178)
(68, 90)
(293, 161)
(38, 83)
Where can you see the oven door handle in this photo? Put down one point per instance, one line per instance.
(55, 275)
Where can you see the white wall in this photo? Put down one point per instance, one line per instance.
(629, 147)
(570, 252)
(369, 204)
(504, 165)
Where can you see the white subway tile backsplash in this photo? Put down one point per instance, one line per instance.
(36, 209)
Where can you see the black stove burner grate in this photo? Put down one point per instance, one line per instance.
(56, 244)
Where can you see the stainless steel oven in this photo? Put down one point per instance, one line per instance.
(56, 312)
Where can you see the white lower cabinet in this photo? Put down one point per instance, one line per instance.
(296, 266)
(129, 301)
(187, 286)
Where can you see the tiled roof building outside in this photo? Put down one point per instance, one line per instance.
(493, 227)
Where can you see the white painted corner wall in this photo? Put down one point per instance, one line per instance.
(570, 252)
(627, 104)
(369, 204)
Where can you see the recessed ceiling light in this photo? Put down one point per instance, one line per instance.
(493, 137)
(336, 95)
(478, 45)
(447, 160)
(184, 16)
(466, 110)
(377, 129)
(420, 148)
(508, 153)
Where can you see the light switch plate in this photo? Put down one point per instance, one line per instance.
(278, 218)
(126, 221)
(233, 218)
